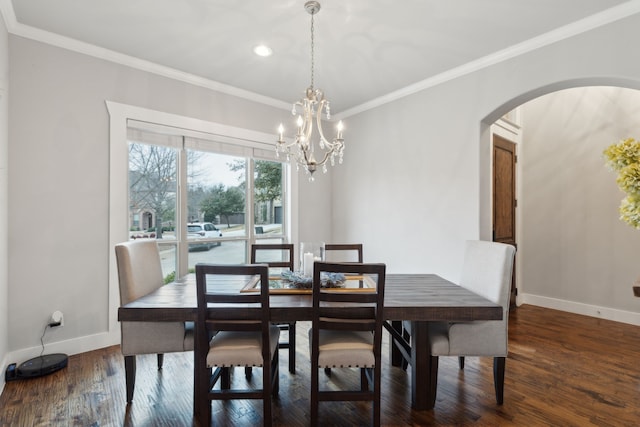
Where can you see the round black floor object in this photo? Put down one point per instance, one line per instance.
(42, 365)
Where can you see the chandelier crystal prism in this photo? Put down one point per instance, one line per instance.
(313, 107)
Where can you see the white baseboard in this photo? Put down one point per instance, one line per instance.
(3, 365)
(630, 317)
(106, 339)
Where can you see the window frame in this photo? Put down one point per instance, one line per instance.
(120, 115)
(184, 142)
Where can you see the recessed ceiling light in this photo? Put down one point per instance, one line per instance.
(262, 50)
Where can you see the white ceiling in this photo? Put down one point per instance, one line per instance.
(366, 51)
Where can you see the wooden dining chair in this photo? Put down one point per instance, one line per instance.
(278, 256)
(487, 271)
(343, 252)
(346, 332)
(139, 273)
(233, 330)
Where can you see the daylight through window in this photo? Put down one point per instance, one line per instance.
(204, 199)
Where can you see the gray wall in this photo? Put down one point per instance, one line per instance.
(59, 180)
(573, 244)
(4, 164)
(427, 153)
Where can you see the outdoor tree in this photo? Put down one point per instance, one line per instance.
(196, 195)
(152, 181)
(267, 183)
(224, 202)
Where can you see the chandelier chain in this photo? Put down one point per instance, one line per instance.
(312, 49)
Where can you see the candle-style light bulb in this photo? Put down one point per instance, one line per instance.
(281, 132)
(340, 127)
(299, 122)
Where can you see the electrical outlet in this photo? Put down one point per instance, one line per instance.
(57, 319)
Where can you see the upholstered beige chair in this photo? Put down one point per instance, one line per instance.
(346, 332)
(139, 273)
(233, 330)
(487, 271)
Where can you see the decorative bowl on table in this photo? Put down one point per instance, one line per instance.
(298, 280)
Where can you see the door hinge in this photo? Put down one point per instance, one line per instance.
(515, 203)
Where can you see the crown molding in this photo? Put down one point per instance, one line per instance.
(605, 17)
(8, 14)
(74, 45)
(578, 27)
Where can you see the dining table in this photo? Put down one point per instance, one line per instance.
(418, 298)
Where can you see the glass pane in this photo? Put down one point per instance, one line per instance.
(215, 198)
(271, 255)
(168, 260)
(268, 206)
(152, 191)
(268, 239)
(229, 252)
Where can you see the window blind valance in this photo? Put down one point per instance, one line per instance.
(156, 134)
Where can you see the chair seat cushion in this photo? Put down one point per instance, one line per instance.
(439, 338)
(240, 348)
(152, 337)
(479, 338)
(345, 349)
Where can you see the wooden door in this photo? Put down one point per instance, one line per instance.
(504, 198)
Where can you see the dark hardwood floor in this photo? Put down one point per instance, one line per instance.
(562, 370)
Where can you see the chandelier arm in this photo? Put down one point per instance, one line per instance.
(308, 123)
(321, 107)
(304, 157)
(282, 146)
(325, 157)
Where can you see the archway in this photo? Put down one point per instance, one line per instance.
(574, 253)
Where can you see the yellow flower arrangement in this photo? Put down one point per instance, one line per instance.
(624, 153)
(624, 158)
(629, 179)
(630, 211)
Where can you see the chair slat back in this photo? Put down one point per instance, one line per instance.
(354, 252)
(359, 309)
(273, 254)
(221, 304)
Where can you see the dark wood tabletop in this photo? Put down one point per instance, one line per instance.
(421, 297)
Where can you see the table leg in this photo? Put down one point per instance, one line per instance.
(394, 353)
(196, 377)
(424, 368)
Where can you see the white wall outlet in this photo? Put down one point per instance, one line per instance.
(57, 319)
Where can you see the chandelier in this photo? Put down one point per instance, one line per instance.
(312, 107)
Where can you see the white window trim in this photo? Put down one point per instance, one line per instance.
(118, 185)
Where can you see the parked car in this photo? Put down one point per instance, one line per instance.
(200, 231)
